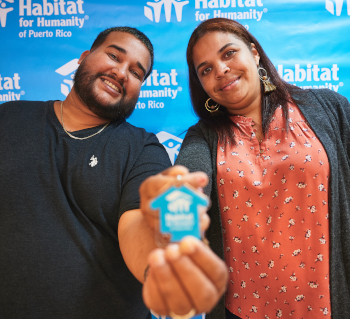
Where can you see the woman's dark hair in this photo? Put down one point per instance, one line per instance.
(136, 33)
(219, 121)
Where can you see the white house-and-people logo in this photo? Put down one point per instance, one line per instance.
(4, 10)
(335, 6)
(153, 10)
(67, 70)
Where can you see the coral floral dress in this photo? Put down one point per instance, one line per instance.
(274, 210)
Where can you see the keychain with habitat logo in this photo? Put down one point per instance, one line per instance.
(179, 210)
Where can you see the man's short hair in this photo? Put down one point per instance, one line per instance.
(136, 33)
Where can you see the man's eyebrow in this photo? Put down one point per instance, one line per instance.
(117, 48)
(222, 49)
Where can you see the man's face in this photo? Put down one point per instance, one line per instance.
(109, 78)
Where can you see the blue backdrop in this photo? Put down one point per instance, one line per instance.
(41, 41)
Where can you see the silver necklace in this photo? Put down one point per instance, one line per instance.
(79, 138)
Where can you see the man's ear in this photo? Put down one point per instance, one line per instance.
(83, 56)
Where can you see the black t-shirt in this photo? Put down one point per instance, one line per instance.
(60, 202)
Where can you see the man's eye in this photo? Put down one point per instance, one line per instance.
(112, 56)
(229, 53)
(135, 74)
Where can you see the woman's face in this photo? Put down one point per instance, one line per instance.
(227, 70)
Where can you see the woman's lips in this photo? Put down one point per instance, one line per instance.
(228, 85)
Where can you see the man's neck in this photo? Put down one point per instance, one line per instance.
(76, 115)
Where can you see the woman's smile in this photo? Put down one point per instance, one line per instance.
(230, 84)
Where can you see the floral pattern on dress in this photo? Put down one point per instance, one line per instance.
(274, 208)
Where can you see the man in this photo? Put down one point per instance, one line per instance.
(72, 235)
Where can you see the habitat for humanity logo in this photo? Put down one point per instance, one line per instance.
(230, 9)
(68, 70)
(52, 18)
(171, 143)
(10, 84)
(158, 85)
(338, 5)
(312, 76)
(4, 11)
(179, 211)
(154, 15)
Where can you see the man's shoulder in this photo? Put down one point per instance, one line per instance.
(20, 106)
(24, 103)
(128, 126)
(132, 132)
(135, 142)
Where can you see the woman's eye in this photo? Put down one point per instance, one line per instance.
(206, 71)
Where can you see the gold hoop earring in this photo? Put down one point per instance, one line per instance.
(212, 108)
(268, 86)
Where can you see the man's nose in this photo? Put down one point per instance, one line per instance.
(120, 71)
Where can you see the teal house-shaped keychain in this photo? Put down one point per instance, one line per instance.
(179, 211)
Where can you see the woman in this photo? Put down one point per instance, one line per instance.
(278, 162)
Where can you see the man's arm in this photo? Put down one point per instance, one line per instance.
(136, 241)
(182, 276)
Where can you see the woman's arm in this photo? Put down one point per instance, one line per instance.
(195, 155)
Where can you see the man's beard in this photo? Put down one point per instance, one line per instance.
(84, 84)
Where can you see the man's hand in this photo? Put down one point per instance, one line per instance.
(186, 277)
(183, 277)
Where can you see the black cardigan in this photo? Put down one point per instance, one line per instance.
(328, 114)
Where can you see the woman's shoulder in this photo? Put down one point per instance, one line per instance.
(320, 105)
(200, 130)
(199, 126)
(325, 96)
